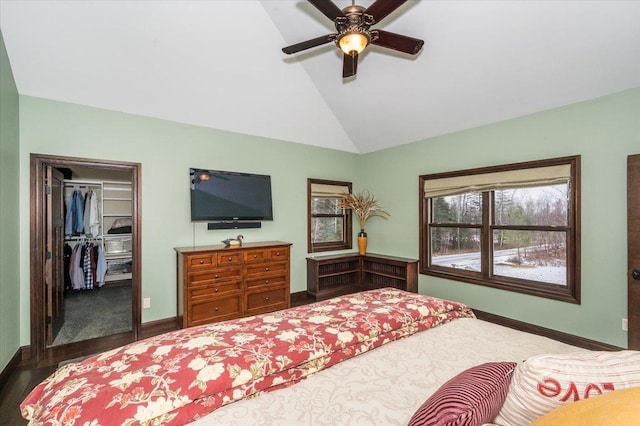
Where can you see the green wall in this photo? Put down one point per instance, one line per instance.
(9, 213)
(603, 131)
(166, 150)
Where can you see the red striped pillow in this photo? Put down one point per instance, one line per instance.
(473, 397)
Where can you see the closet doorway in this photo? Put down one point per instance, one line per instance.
(85, 256)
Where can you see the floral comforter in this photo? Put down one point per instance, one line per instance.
(181, 376)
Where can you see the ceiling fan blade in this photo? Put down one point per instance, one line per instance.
(328, 8)
(381, 8)
(398, 42)
(294, 48)
(349, 65)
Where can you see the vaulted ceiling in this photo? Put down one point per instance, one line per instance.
(219, 64)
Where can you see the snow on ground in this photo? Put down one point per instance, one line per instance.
(547, 274)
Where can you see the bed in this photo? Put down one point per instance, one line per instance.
(388, 351)
(386, 386)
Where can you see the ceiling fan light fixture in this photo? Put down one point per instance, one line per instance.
(353, 31)
(353, 41)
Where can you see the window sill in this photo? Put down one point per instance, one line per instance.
(329, 247)
(532, 288)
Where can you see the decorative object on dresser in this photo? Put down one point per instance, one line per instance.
(364, 205)
(335, 275)
(237, 241)
(218, 282)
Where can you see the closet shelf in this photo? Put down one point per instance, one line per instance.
(123, 255)
(116, 199)
(81, 237)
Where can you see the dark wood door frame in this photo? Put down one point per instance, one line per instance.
(54, 243)
(39, 353)
(633, 247)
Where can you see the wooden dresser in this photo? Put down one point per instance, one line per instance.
(218, 283)
(334, 275)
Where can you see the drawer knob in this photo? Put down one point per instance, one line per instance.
(229, 259)
(266, 298)
(266, 269)
(202, 262)
(255, 256)
(278, 254)
(215, 290)
(266, 282)
(216, 309)
(217, 276)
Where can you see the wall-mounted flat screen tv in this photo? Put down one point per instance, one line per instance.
(219, 195)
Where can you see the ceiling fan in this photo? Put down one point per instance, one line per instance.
(354, 33)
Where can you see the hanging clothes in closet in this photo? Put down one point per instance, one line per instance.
(101, 265)
(74, 220)
(87, 266)
(67, 252)
(91, 222)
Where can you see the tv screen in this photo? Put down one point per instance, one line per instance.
(220, 195)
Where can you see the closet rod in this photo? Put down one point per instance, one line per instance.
(82, 238)
(83, 182)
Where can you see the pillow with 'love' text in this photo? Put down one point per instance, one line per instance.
(543, 383)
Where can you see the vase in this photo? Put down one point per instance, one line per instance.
(362, 242)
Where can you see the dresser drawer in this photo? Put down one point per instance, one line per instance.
(270, 281)
(268, 269)
(213, 290)
(256, 256)
(266, 301)
(231, 258)
(196, 262)
(279, 254)
(213, 310)
(216, 275)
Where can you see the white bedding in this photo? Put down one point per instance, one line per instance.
(387, 385)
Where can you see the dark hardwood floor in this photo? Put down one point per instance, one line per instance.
(17, 387)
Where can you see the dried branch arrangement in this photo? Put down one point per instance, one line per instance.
(364, 205)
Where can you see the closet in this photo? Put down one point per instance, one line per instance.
(85, 256)
(97, 255)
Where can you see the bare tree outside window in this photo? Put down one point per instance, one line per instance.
(327, 220)
(522, 238)
(329, 224)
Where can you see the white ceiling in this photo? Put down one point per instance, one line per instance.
(218, 64)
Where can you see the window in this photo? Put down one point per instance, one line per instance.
(514, 227)
(329, 225)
